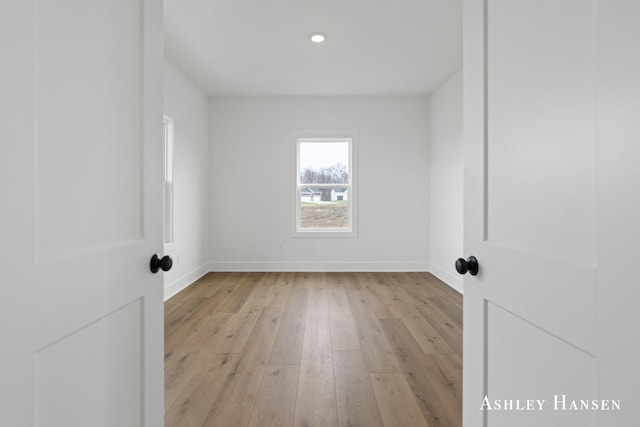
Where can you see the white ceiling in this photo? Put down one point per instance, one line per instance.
(260, 47)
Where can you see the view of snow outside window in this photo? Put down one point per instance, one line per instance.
(324, 185)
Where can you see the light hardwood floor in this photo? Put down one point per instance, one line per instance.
(314, 349)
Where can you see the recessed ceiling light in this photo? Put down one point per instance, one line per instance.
(318, 37)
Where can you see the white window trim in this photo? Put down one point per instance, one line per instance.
(170, 128)
(328, 135)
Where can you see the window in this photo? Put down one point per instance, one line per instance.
(325, 186)
(168, 183)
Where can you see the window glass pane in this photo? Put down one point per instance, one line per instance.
(168, 213)
(168, 181)
(324, 208)
(324, 162)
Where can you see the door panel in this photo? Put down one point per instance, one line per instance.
(529, 208)
(104, 357)
(89, 125)
(540, 163)
(80, 314)
(569, 372)
(540, 132)
(551, 113)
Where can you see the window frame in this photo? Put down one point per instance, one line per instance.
(326, 135)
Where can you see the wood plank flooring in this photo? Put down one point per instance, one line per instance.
(314, 349)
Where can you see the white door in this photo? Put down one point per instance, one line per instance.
(552, 148)
(81, 318)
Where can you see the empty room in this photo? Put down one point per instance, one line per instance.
(320, 213)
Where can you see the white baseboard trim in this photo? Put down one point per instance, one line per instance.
(185, 281)
(312, 266)
(450, 279)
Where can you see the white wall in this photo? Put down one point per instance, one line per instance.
(253, 183)
(189, 108)
(446, 180)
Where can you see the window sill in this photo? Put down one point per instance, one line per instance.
(321, 233)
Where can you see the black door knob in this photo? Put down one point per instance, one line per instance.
(470, 265)
(165, 263)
